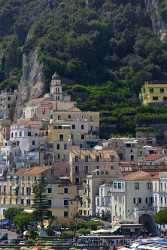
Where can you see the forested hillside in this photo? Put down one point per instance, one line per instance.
(105, 49)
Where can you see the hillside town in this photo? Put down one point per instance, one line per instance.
(120, 181)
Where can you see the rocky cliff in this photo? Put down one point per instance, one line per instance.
(32, 83)
(159, 25)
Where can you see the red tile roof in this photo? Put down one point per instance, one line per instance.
(141, 176)
(28, 122)
(153, 157)
(34, 171)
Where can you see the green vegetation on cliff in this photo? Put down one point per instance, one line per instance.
(105, 49)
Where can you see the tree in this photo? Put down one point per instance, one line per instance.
(11, 212)
(161, 217)
(23, 220)
(41, 203)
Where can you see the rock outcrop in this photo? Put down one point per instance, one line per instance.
(32, 84)
(158, 24)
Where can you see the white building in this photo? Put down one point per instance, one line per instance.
(26, 137)
(104, 201)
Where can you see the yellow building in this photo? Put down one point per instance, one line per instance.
(59, 136)
(153, 92)
(17, 190)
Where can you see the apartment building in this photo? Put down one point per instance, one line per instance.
(90, 190)
(17, 190)
(84, 161)
(153, 93)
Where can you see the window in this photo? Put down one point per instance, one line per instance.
(22, 191)
(119, 185)
(33, 143)
(76, 158)
(134, 200)
(59, 117)
(49, 203)
(22, 201)
(76, 169)
(69, 117)
(86, 158)
(146, 200)
(165, 98)
(162, 90)
(4, 189)
(151, 90)
(29, 133)
(115, 185)
(97, 158)
(61, 137)
(86, 169)
(155, 98)
(28, 202)
(82, 137)
(132, 157)
(82, 126)
(20, 133)
(66, 190)
(28, 191)
(49, 190)
(139, 200)
(73, 126)
(58, 156)
(65, 214)
(10, 189)
(161, 200)
(149, 185)
(136, 186)
(77, 181)
(65, 146)
(58, 146)
(66, 203)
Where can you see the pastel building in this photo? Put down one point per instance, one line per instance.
(84, 161)
(17, 190)
(59, 141)
(28, 136)
(7, 104)
(153, 93)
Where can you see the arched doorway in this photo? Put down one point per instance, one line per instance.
(149, 224)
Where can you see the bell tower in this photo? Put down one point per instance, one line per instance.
(56, 88)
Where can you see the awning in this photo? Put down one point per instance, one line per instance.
(4, 222)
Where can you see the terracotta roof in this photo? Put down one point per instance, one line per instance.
(37, 101)
(105, 154)
(141, 176)
(153, 157)
(31, 123)
(34, 171)
(74, 109)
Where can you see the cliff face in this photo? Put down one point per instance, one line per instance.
(153, 7)
(32, 84)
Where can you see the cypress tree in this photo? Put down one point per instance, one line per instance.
(41, 203)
